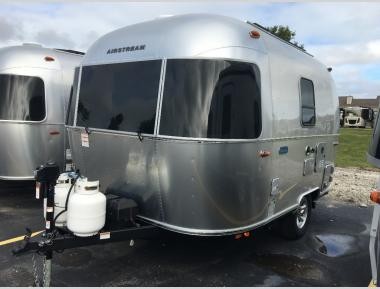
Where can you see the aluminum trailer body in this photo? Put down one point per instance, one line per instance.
(210, 128)
(35, 84)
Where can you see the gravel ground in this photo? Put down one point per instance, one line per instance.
(353, 185)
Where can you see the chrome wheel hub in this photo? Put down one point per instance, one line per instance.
(302, 213)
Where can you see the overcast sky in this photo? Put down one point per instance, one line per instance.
(345, 36)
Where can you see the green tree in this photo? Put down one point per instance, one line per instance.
(285, 33)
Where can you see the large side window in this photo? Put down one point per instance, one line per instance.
(120, 96)
(22, 98)
(211, 99)
(307, 102)
(72, 99)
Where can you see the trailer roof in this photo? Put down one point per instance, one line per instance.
(34, 55)
(189, 36)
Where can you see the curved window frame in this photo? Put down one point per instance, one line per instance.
(160, 99)
(45, 100)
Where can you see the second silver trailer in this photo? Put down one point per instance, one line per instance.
(35, 85)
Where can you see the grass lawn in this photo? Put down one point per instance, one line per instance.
(353, 147)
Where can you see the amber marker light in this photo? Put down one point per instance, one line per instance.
(54, 132)
(49, 58)
(375, 196)
(254, 34)
(264, 154)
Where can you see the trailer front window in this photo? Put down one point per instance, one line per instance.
(22, 98)
(211, 99)
(120, 96)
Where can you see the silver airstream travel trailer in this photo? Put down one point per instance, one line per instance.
(35, 84)
(213, 126)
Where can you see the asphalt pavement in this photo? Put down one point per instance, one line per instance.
(334, 252)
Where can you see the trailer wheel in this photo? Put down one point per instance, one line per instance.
(294, 225)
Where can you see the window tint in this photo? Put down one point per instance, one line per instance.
(22, 98)
(119, 96)
(307, 102)
(211, 99)
(72, 99)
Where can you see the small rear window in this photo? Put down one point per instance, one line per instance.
(307, 102)
(22, 98)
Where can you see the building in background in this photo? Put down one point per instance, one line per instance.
(350, 101)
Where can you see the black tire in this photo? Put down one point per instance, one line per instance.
(288, 226)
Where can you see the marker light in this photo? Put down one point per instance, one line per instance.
(54, 132)
(254, 34)
(264, 154)
(247, 234)
(49, 58)
(375, 196)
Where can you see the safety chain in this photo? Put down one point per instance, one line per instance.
(38, 280)
(44, 272)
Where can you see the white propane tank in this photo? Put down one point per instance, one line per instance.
(86, 212)
(61, 189)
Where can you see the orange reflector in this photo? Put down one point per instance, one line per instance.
(49, 58)
(264, 154)
(254, 34)
(375, 196)
(238, 236)
(54, 132)
(247, 234)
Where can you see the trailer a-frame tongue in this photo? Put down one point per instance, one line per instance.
(120, 226)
